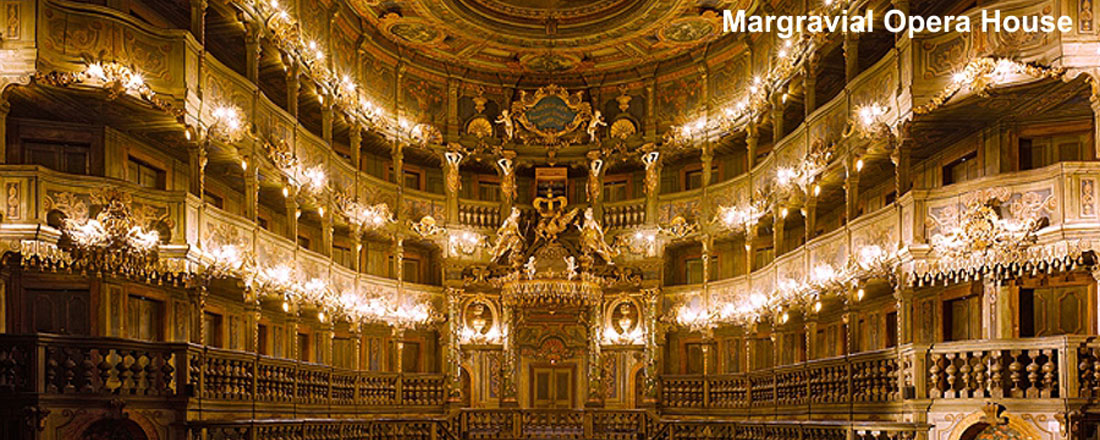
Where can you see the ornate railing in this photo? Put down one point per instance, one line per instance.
(624, 215)
(741, 430)
(66, 365)
(516, 424)
(479, 214)
(865, 377)
(324, 429)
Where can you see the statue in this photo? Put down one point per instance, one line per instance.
(529, 267)
(506, 119)
(509, 238)
(570, 267)
(594, 125)
(549, 227)
(594, 189)
(592, 238)
(507, 179)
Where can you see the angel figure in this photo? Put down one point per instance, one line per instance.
(506, 119)
(509, 238)
(529, 267)
(594, 125)
(550, 226)
(570, 267)
(592, 238)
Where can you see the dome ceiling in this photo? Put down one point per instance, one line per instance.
(547, 36)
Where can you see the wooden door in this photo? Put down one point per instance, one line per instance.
(552, 387)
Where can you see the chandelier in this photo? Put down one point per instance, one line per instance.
(742, 218)
(803, 175)
(118, 239)
(364, 216)
(301, 177)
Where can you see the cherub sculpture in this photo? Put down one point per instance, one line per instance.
(506, 119)
(592, 238)
(594, 125)
(509, 238)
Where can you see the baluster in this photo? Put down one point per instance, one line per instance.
(965, 370)
(934, 376)
(980, 384)
(1015, 369)
(1032, 374)
(103, 368)
(1084, 372)
(122, 370)
(1050, 385)
(951, 376)
(135, 373)
(996, 378)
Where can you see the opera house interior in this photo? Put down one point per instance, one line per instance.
(545, 219)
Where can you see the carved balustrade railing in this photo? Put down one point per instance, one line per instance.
(1047, 367)
(624, 215)
(785, 430)
(69, 365)
(324, 429)
(479, 214)
(864, 377)
(516, 424)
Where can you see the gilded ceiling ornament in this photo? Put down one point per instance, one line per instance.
(551, 116)
(623, 128)
(623, 99)
(480, 100)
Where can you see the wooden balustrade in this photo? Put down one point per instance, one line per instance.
(790, 430)
(324, 429)
(624, 215)
(1017, 368)
(864, 377)
(64, 365)
(515, 424)
(481, 216)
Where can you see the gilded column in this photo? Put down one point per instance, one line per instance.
(851, 191)
(652, 161)
(595, 360)
(5, 108)
(293, 86)
(778, 232)
(509, 364)
(903, 298)
(778, 107)
(356, 147)
(902, 159)
(851, 56)
(809, 87)
(251, 187)
(253, 315)
(252, 52)
(654, 333)
(326, 120)
(397, 155)
(752, 137)
(357, 244)
(292, 214)
(651, 111)
(198, 20)
(809, 212)
(326, 225)
(196, 163)
(750, 247)
(452, 352)
(452, 108)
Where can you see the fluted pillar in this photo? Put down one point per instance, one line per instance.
(902, 158)
(293, 86)
(292, 214)
(809, 212)
(326, 227)
(452, 351)
(851, 56)
(5, 108)
(198, 20)
(809, 88)
(851, 192)
(356, 135)
(251, 188)
(595, 359)
(327, 115)
(778, 231)
(252, 52)
(752, 137)
(196, 164)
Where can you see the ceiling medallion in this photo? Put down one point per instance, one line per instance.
(690, 30)
(549, 62)
(412, 30)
